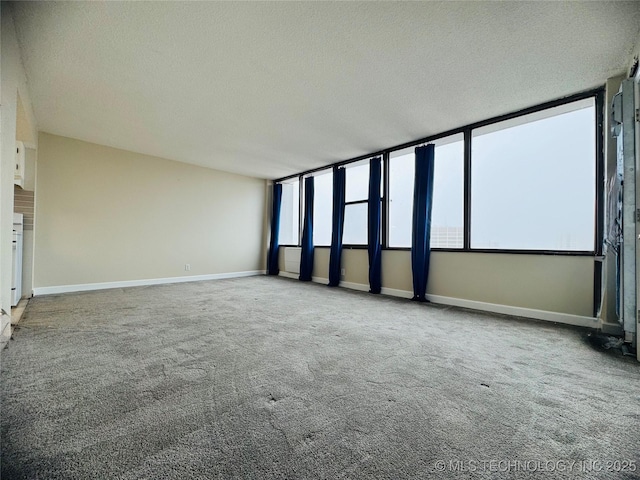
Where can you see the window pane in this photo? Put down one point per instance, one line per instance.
(355, 224)
(322, 208)
(357, 183)
(289, 213)
(401, 173)
(447, 215)
(533, 181)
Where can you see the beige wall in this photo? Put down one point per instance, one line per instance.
(12, 81)
(554, 283)
(105, 215)
(321, 262)
(27, 234)
(24, 132)
(561, 284)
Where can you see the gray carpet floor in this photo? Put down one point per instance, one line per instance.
(267, 377)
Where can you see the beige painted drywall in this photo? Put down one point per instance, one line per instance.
(106, 215)
(27, 235)
(24, 132)
(321, 262)
(12, 81)
(30, 162)
(355, 263)
(396, 268)
(562, 284)
(27, 263)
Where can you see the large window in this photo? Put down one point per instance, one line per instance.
(356, 197)
(290, 213)
(322, 207)
(447, 216)
(530, 185)
(533, 181)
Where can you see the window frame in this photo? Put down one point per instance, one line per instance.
(521, 121)
(598, 94)
(357, 246)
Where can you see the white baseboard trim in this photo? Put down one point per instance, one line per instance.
(140, 283)
(558, 317)
(289, 275)
(394, 292)
(6, 329)
(361, 287)
(566, 318)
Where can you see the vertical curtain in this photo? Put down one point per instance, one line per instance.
(422, 202)
(375, 219)
(306, 257)
(274, 244)
(337, 229)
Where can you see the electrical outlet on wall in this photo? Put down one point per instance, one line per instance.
(342, 273)
(187, 267)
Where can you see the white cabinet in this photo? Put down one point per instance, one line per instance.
(18, 173)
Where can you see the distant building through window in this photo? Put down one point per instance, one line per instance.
(448, 195)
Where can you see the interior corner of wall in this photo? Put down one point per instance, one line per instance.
(32, 122)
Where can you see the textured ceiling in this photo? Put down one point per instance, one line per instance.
(270, 89)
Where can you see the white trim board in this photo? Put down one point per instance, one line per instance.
(566, 318)
(558, 317)
(289, 275)
(139, 283)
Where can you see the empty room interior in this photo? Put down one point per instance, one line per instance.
(319, 240)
